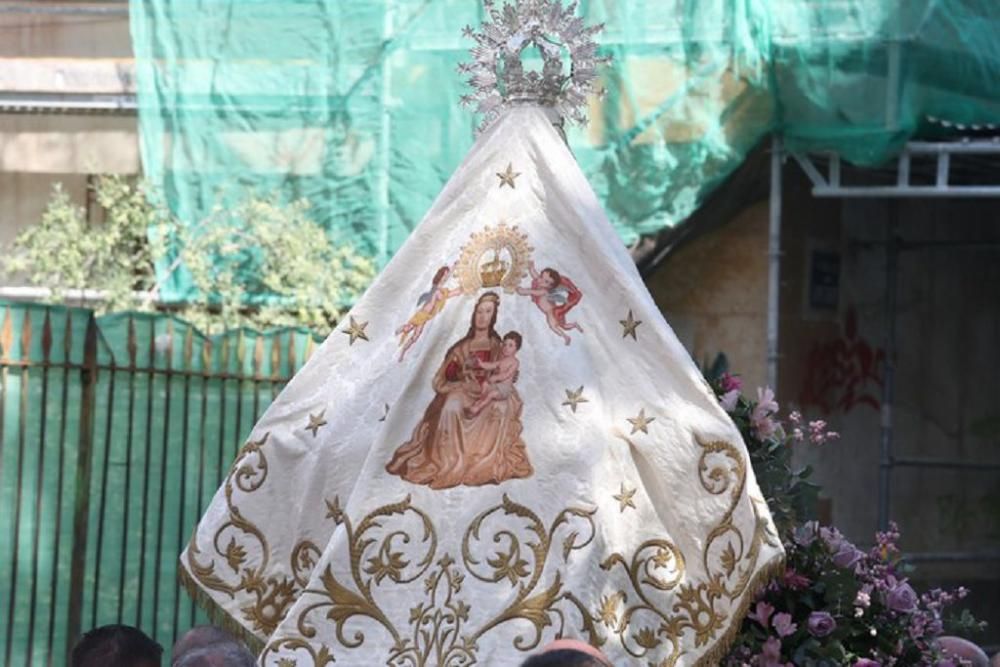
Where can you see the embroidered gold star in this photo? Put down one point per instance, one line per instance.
(629, 325)
(507, 177)
(640, 422)
(316, 421)
(625, 497)
(356, 330)
(574, 398)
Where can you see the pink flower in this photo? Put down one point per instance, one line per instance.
(731, 383)
(770, 654)
(783, 624)
(818, 433)
(866, 662)
(760, 418)
(729, 400)
(796, 581)
(762, 613)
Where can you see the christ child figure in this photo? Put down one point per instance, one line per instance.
(499, 384)
(555, 295)
(430, 304)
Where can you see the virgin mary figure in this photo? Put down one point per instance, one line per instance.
(452, 446)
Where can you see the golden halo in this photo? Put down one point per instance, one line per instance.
(494, 257)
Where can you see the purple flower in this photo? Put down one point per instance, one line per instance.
(866, 662)
(762, 613)
(821, 624)
(783, 624)
(729, 399)
(770, 654)
(847, 556)
(901, 598)
(805, 534)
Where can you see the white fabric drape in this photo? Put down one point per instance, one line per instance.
(480, 497)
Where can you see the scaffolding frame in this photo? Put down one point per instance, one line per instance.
(832, 185)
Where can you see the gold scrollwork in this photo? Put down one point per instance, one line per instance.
(271, 596)
(506, 545)
(438, 627)
(730, 566)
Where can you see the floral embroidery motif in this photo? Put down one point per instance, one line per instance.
(506, 545)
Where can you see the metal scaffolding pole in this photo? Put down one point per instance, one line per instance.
(885, 462)
(774, 264)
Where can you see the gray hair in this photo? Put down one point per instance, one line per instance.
(217, 655)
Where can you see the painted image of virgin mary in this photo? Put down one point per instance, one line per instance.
(453, 445)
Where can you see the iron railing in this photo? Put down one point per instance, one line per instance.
(114, 433)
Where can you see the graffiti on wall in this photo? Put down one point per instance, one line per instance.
(843, 373)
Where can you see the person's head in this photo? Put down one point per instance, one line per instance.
(116, 646)
(200, 637)
(511, 343)
(568, 653)
(441, 275)
(550, 278)
(217, 655)
(484, 317)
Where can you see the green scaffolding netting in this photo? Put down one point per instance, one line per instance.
(353, 105)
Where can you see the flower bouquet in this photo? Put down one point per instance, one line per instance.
(834, 604)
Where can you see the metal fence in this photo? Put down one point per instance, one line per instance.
(114, 434)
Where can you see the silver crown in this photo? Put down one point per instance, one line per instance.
(498, 77)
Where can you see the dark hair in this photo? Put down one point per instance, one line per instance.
(556, 278)
(231, 654)
(563, 658)
(439, 275)
(514, 336)
(115, 646)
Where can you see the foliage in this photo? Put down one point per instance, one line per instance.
(788, 491)
(834, 604)
(260, 263)
(63, 252)
(837, 605)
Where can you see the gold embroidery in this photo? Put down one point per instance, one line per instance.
(629, 325)
(316, 422)
(438, 632)
(507, 545)
(573, 398)
(640, 422)
(657, 565)
(507, 177)
(355, 330)
(272, 596)
(494, 257)
(625, 497)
